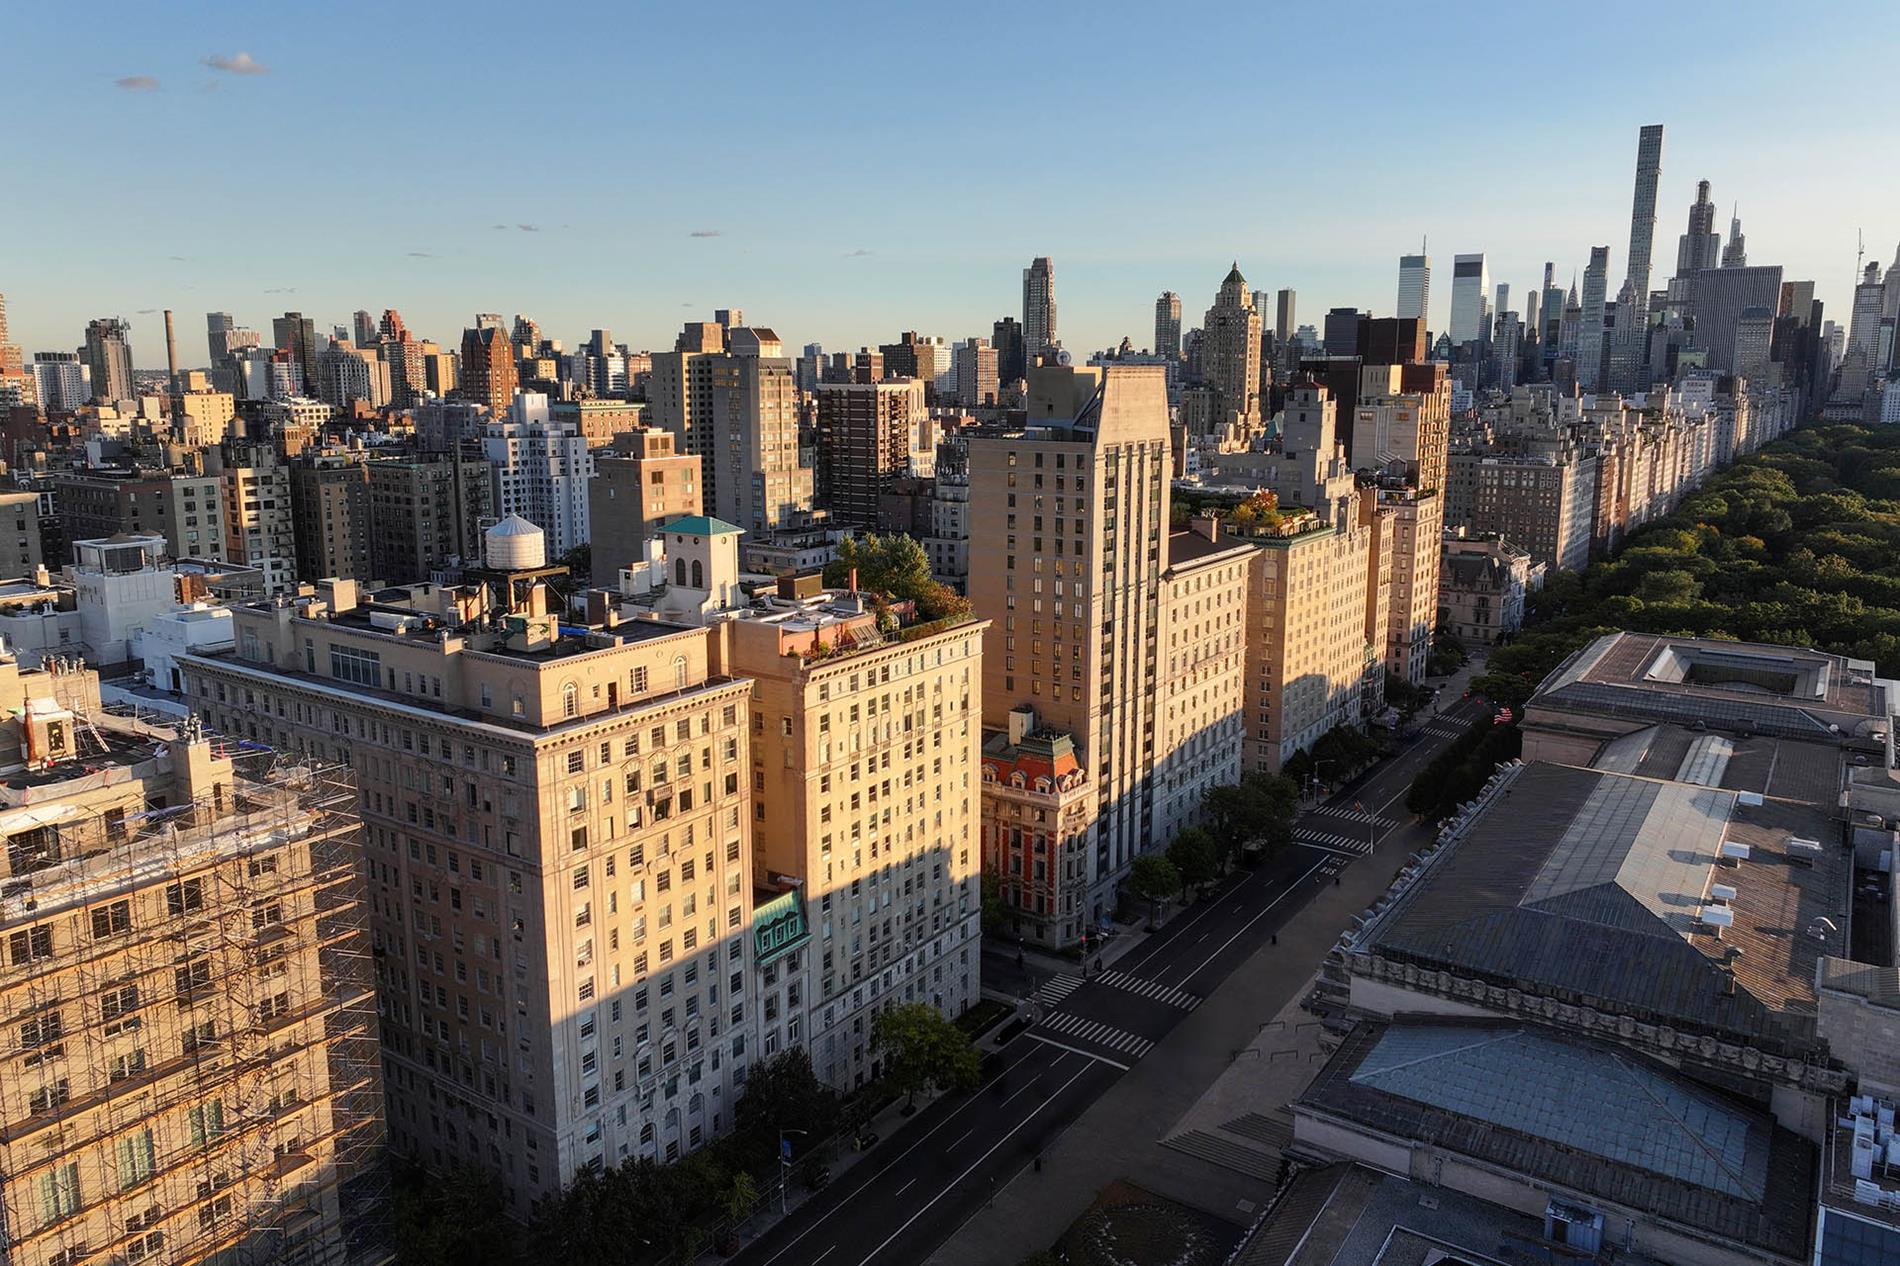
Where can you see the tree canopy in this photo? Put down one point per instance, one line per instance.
(895, 565)
(921, 1049)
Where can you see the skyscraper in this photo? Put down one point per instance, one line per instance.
(363, 326)
(296, 333)
(1470, 282)
(1230, 362)
(1701, 246)
(1415, 285)
(1006, 336)
(1168, 324)
(12, 360)
(1039, 308)
(1590, 332)
(1283, 317)
(1649, 145)
(1735, 254)
(488, 367)
(109, 356)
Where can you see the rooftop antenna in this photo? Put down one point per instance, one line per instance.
(1860, 254)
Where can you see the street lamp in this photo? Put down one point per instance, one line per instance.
(785, 1165)
(1313, 777)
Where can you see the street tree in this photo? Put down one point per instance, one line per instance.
(1195, 856)
(1154, 878)
(922, 1049)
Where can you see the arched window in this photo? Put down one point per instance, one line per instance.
(570, 700)
(679, 572)
(699, 575)
(679, 672)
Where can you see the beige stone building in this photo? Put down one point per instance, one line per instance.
(259, 527)
(330, 519)
(192, 1064)
(1203, 675)
(559, 844)
(1076, 507)
(866, 785)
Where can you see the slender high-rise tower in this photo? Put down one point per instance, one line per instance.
(1168, 324)
(1649, 146)
(1596, 279)
(1415, 285)
(1039, 308)
(1700, 247)
(109, 356)
(1735, 254)
(1283, 316)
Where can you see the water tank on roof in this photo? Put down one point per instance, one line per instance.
(514, 544)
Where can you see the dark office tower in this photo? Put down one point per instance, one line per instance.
(363, 326)
(1391, 340)
(296, 333)
(1701, 246)
(488, 367)
(109, 356)
(218, 329)
(1039, 308)
(1649, 147)
(1283, 326)
(1168, 324)
(1006, 336)
(1342, 332)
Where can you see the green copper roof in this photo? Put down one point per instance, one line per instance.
(702, 525)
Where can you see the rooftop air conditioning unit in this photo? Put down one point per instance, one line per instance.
(1718, 916)
(1733, 851)
(1723, 893)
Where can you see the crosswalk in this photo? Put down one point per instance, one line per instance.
(1056, 988)
(1357, 845)
(1094, 1031)
(1150, 989)
(1446, 727)
(1354, 815)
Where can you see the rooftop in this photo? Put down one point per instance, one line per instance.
(702, 525)
(1612, 889)
(1789, 691)
(1577, 1116)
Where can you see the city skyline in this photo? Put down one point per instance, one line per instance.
(242, 225)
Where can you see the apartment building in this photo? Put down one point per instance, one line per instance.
(186, 509)
(192, 1035)
(646, 483)
(330, 519)
(869, 434)
(1203, 673)
(866, 784)
(426, 509)
(559, 847)
(1037, 810)
(1076, 504)
(541, 470)
(259, 527)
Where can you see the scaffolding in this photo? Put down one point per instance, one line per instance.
(187, 1016)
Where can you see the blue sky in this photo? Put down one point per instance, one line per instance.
(856, 170)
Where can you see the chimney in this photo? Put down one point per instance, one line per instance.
(171, 354)
(1021, 722)
(1206, 526)
(854, 580)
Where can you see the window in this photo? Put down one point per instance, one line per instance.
(111, 920)
(135, 1159)
(570, 700)
(365, 668)
(30, 946)
(183, 898)
(206, 1121)
(52, 1095)
(59, 1193)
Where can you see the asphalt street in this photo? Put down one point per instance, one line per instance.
(918, 1187)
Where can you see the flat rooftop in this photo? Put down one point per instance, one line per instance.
(1789, 691)
(1578, 1116)
(1613, 889)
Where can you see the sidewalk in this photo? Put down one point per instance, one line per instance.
(1119, 1136)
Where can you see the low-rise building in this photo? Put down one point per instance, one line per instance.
(1482, 587)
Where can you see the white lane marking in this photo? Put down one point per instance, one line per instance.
(959, 1138)
(1250, 922)
(966, 1173)
(899, 1158)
